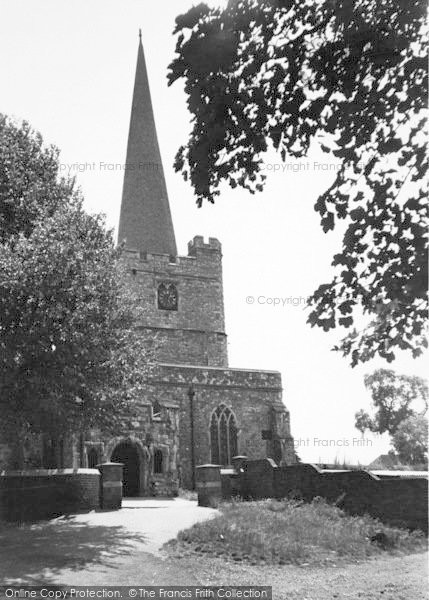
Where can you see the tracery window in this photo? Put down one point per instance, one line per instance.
(156, 411)
(223, 435)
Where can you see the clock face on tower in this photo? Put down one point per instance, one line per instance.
(167, 296)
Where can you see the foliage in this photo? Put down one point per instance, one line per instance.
(394, 398)
(287, 531)
(69, 355)
(410, 440)
(30, 182)
(350, 76)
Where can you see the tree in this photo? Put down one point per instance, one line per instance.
(70, 357)
(411, 440)
(30, 182)
(350, 76)
(395, 398)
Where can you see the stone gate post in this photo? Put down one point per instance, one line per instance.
(111, 485)
(209, 486)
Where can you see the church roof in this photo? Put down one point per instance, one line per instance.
(145, 221)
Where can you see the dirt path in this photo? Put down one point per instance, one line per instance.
(98, 548)
(125, 548)
(387, 578)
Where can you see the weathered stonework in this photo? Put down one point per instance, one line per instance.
(146, 435)
(195, 332)
(255, 398)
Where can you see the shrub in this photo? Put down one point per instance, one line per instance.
(290, 531)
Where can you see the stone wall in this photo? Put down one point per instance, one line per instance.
(43, 494)
(253, 396)
(36, 451)
(5, 455)
(401, 502)
(146, 434)
(195, 332)
(188, 346)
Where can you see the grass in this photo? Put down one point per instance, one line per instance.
(290, 532)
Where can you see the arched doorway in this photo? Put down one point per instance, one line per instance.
(126, 453)
(92, 456)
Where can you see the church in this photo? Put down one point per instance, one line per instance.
(194, 409)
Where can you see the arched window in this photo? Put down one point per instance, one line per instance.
(92, 458)
(156, 411)
(157, 461)
(277, 451)
(167, 296)
(223, 435)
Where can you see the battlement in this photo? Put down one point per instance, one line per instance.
(203, 259)
(149, 257)
(195, 245)
(198, 244)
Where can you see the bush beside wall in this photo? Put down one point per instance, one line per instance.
(396, 501)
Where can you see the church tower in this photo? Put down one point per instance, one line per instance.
(145, 221)
(181, 296)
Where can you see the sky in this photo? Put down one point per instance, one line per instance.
(68, 68)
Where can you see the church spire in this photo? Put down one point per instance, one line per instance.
(145, 222)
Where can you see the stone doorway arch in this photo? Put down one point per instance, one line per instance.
(127, 453)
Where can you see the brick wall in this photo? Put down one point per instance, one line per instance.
(43, 494)
(401, 502)
(257, 480)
